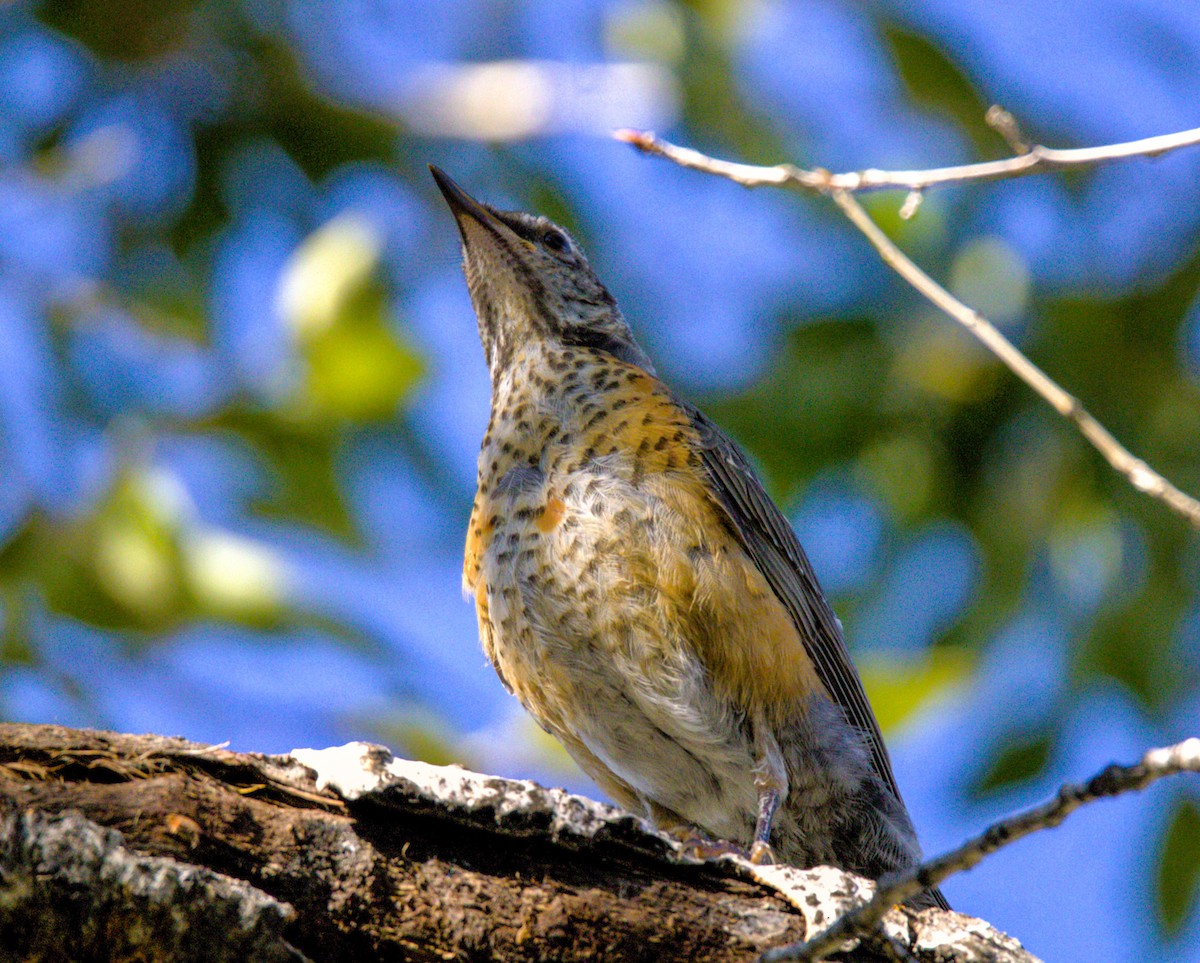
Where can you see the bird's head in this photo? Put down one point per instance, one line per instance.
(529, 281)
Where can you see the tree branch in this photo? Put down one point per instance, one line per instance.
(1140, 475)
(117, 847)
(820, 181)
(840, 188)
(1113, 781)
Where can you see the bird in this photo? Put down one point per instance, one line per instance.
(641, 594)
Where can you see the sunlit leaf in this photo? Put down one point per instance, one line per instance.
(901, 689)
(990, 276)
(135, 566)
(358, 371)
(233, 577)
(356, 368)
(325, 272)
(127, 555)
(651, 30)
(942, 361)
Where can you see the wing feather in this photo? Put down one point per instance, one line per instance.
(772, 545)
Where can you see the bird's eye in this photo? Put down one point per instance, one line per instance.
(556, 241)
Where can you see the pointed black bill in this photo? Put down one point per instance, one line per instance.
(461, 203)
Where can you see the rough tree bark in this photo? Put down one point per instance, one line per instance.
(122, 847)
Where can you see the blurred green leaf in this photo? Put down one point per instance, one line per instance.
(902, 689)
(359, 371)
(1179, 866)
(15, 646)
(120, 567)
(1022, 759)
(646, 31)
(302, 461)
(818, 402)
(278, 102)
(324, 273)
(142, 564)
(902, 470)
(419, 736)
(1132, 643)
(357, 368)
(935, 82)
(991, 276)
(129, 30)
(233, 577)
(921, 236)
(714, 106)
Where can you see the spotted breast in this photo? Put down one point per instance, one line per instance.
(602, 566)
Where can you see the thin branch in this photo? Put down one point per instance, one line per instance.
(820, 181)
(1113, 781)
(1140, 475)
(841, 186)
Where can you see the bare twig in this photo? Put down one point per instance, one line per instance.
(840, 187)
(1140, 475)
(1155, 764)
(819, 181)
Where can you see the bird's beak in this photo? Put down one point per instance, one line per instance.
(462, 203)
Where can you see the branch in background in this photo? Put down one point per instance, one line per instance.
(1113, 781)
(819, 181)
(841, 187)
(1140, 475)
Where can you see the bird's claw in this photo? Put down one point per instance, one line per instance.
(761, 854)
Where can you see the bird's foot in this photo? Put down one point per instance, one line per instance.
(701, 847)
(698, 846)
(761, 854)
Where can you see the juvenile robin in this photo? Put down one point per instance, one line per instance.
(641, 594)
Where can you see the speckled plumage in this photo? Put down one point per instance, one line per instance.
(638, 591)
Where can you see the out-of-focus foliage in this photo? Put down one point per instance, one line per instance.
(1179, 866)
(240, 389)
